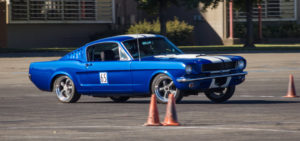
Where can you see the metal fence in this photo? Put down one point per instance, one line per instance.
(61, 11)
(272, 10)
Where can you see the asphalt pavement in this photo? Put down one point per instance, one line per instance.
(257, 111)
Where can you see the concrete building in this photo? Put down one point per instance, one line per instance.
(63, 23)
(212, 27)
(53, 23)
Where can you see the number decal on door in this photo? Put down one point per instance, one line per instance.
(103, 78)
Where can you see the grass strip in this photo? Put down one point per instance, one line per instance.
(217, 48)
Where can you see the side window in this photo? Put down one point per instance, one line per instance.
(103, 52)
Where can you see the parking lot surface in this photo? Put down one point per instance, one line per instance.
(257, 111)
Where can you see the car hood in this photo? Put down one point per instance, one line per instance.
(193, 58)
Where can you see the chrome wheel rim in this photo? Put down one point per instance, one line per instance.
(219, 94)
(165, 87)
(64, 89)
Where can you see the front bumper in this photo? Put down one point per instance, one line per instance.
(210, 82)
(182, 79)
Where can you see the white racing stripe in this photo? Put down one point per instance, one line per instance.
(139, 35)
(225, 59)
(212, 59)
(180, 56)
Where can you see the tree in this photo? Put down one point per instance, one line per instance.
(249, 35)
(247, 6)
(160, 6)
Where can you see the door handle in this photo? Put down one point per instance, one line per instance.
(88, 64)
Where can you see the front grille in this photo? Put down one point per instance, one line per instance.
(218, 66)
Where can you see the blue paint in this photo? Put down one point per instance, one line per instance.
(124, 77)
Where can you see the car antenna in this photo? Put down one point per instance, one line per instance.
(138, 46)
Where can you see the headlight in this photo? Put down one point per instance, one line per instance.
(241, 64)
(188, 69)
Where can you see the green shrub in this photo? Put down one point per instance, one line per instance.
(179, 32)
(141, 27)
(270, 30)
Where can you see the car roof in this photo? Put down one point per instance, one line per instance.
(121, 38)
(80, 53)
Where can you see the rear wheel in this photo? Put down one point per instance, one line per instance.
(64, 89)
(119, 99)
(162, 86)
(220, 95)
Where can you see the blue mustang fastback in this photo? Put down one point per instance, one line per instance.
(138, 65)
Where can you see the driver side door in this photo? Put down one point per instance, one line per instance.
(105, 71)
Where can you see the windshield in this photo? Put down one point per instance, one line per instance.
(150, 46)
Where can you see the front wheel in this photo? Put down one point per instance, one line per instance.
(220, 95)
(162, 86)
(64, 89)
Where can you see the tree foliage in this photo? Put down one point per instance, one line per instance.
(238, 5)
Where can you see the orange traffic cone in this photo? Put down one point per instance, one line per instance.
(291, 89)
(153, 119)
(171, 116)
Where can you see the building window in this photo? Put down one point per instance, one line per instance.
(272, 10)
(61, 11)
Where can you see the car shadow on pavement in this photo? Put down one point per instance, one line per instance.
(110, 102)
(240, 102)
(196, 102)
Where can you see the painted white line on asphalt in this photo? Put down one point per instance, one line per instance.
(34, 137)
(291, 122)
(72, 127)
(157, 127)
(254, 96)
(20, 72)
(235, 128)
(64, 136)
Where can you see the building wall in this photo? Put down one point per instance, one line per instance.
(58, 33)
(51, 35)
(209, 26)
(127, 14)
(216, 19)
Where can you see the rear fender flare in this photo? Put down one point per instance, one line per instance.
(56, 74)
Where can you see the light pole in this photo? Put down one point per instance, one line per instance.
(231, 19)
(259, 20)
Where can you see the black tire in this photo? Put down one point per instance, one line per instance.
(65, 90)
(119, 99)
(221, 95)
(162, 85)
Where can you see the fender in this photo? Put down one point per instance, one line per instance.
(52, 79)
(154, 74)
